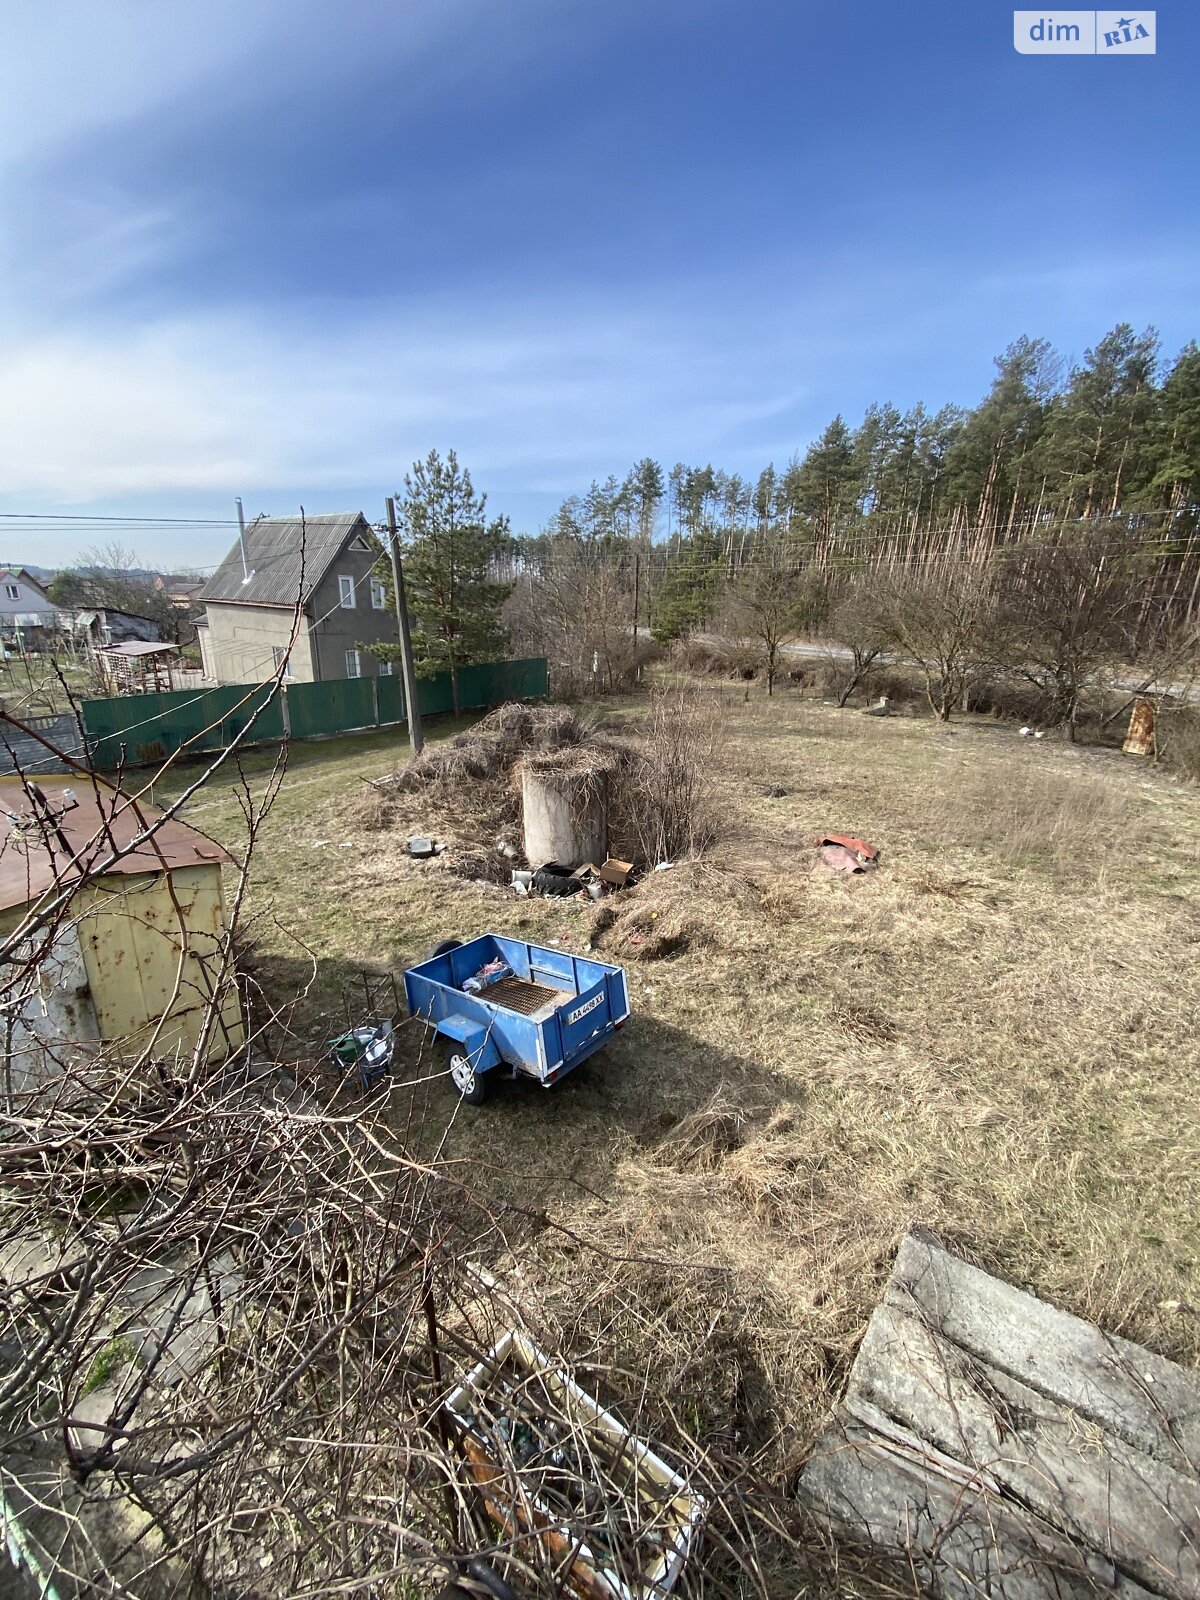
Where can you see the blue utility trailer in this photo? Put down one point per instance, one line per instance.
(548, 1012)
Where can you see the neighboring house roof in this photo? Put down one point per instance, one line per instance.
(174, 586)
(19, 575)
(33, 855)
(276, 550)
(85, 619)
(130, 616)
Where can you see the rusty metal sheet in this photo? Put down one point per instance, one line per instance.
(859, 848)
(1139, 741)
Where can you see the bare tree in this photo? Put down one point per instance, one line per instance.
(111, 576)
(1068, 610)
(858, 623)
(772, 603)
(578, 611)
(939, 620)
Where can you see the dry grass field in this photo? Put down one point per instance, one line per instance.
(993, 1035)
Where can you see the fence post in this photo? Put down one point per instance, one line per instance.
(285, 711)
(375, 702)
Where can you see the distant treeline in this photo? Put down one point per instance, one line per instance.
(1115, 438)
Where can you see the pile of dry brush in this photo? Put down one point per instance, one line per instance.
(658, 771)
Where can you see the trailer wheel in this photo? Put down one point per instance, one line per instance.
(471, 1085)
(443, 948)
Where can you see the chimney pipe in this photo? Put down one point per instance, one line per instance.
(246, 573)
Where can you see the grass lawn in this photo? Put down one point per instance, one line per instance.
(993, 1035)
(38, 686)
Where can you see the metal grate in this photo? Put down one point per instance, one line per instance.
(518, 994)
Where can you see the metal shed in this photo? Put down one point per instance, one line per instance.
(114, 920)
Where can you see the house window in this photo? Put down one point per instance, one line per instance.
(284, 656)
(12, 591)
(378, 595)
(386, 668)
(346, 592)
(353, 668)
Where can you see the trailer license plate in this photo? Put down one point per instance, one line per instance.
(582, 1011)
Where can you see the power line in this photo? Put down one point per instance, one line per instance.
(840, 551)
(69, 516)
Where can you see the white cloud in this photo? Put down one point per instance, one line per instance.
(545, 392)
(226, 401)
(70, 67)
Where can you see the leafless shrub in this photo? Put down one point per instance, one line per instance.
(857, 624)
(770, 603)
(578, 613)
(1178, 741)
(939, 621)
(669, 795)
(717, 657)
(1067, 610)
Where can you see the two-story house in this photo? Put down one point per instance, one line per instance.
(24, 603)
(325, 568)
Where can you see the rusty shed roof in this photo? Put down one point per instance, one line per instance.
(43, 845)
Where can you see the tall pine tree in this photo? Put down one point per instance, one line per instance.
(451, 549)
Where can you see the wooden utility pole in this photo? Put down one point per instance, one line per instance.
(637, 593)
(412, 710)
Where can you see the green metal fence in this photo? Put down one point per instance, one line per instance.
(334, 707)
(494, 681)
(390, 700)
(145, 728)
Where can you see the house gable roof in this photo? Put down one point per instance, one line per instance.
(277, 548)
(19, 575)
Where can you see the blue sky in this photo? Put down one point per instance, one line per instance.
(278, 248)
